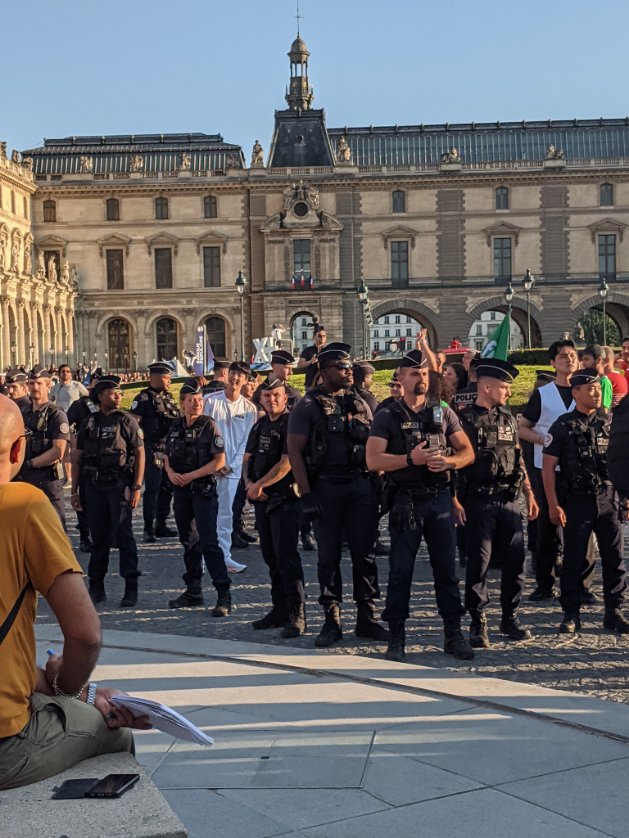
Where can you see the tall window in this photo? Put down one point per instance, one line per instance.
(113, 209)
(163, 267)
(502, 198)
(119, 344)
(607, 255)
(398, 201)
(502, 258)
(161, 208)
(399, 264)
(209, 207)
(211, 267)
(301, 257)
(115, 270)
(165, 338)
(25, 206)
(50, 211)
(215, 330)
(607, 195)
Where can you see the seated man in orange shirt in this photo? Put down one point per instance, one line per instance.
(49, 719)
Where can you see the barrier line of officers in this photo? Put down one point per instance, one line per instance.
(337, 459)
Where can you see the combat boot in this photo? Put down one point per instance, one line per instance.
(296, 623)
(396, 650)
(331, 630)
(454, 642)
(97, 590)
(513, 628)
(149, 533)
(615, 620)
(366, 624)
(307, 542)
(162, 530)
(274, 619)
(479, 637)
(85, 545)
(571, 623)
(130, 597)
(192, 597)
(223, 605)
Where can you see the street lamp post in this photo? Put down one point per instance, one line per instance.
(84, 354)
(241, 282)
(603, 290)
(363, 298)
(509, 300)
(13, 351)
(67, 354)
(52, 354)
(31, 350)
(135, 361)
(527, 280)
(106, 356)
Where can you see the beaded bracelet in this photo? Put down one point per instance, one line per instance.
(60, 693)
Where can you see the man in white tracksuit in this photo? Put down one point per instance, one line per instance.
(235, 416)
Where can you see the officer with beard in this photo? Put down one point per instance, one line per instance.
(327, 433)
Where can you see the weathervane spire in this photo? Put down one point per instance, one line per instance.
(299, 17)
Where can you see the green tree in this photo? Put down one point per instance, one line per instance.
(593, 332)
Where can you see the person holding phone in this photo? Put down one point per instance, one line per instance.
(52, 718)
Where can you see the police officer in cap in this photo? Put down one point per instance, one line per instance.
(489, 490)
(281, 368)
(269, 485)
(48, 434)
(363, 378)
(155, 409)
(109, 461)
(581, 500)
(327, 433)
(417, 445)
(17, 388)
(195, 451)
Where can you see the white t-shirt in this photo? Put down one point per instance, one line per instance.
(235, 421)
(63, 395)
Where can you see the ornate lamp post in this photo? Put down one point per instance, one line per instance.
(603, 290)
(52, 354)
(509, 299)
(135, 361)
(84, 354)
(241, 283)
(528, 281)
(106, 356)
(31, 350)
(67, 354)
(13, 352)
(363, 298)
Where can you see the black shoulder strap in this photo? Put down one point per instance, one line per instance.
(5, 628)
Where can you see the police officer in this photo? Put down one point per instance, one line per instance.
(363, 379)
(269, 485)
(195, 451)
(396, 391)
(489, 489)
(411, 441)
(155, 409)
(581, 500)
(327, 432)
(467, 395)
(17, 388)
(46, 444)
(109, 461)
(281, 368)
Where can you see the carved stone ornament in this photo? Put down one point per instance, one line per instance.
(553, 153)
(28, 261)
(41, 265)
(3, 150)
(257, 156)
(27, 163)
(136, 164)
(86, 164)
(301, 192)
(184, 162)
(451, 156)
(15, 156)
(343, 151)
(52, 269)
(15, 252)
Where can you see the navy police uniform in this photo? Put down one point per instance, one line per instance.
(78, 414)
(18, 376)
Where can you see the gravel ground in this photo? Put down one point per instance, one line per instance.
(595, 662)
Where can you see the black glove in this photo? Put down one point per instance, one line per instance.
(311, 508)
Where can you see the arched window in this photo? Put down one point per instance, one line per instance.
(209, 207)
(165, 338)
(215, 330)
(113, 209)
(502, 198)
(119, 344)
(50, 211)
(161, 208)
(607, 195)
(398, 198)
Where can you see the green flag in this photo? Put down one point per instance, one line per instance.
(497, 345)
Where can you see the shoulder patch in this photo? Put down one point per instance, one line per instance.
(548, 440)
(134, 404)
(64, 428)
(140, 433)
(218, 441)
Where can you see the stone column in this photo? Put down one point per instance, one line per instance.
(5, 342)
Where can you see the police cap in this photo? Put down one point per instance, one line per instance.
(395, 381)
(281, 356)
(586, 376)
(332, 352)
(107, 382)
(273, 385)
(411, 359)
(38, 371)
(190, 385)
(546, 375)
(160, 368)
(15, 376)
(496, 368)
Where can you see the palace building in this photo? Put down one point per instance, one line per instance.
(138, 239)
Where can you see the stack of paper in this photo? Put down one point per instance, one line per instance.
(163, 718)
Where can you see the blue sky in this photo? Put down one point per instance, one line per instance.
(142, 67)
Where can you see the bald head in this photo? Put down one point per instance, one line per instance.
(11, 439)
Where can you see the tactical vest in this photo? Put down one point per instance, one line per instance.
(268, 443)
(618, 451)
(465, 399)
(336, 446)
(188, 448)
(105, 449)
(584, 458)
(157, 421)
(410, 429)
(497, 464)
(37, 422)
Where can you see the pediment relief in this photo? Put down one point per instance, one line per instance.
(52, 243)
(114, 240)
(209, 239)
(312, 221)
(399, 232)
(162, 240)
(607, 225)
(502, 229)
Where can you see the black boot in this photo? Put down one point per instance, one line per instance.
(366, 624)
(571, 623)
(454, 642)
(130, 597)
(396, 650)
(223, 605)
(162, 530)
(97, 590)
(541, 594)
(513, 628)
(296, 623)
(331, 631)
(85, 545)
(188, 599)
(149, 533)
(479, 638)
(238, 542)
(248, 537)
(615, 620)
(307, 542)
(274, 619)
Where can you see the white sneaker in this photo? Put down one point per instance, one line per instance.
(234, 567)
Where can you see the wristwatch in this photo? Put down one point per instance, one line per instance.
(136, 487)
(91, 692)
(409, 460)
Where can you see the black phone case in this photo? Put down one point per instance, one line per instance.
(73, 789)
